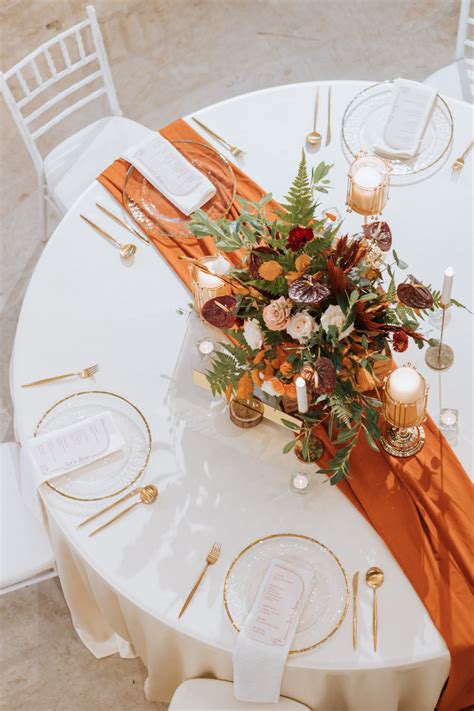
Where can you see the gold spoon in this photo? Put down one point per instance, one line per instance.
(148, 495)
(127, 251)
(374, 578)
(314, 138)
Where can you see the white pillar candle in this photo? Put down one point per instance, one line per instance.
(209, 281)
(367, 177)
(447, 286)
(405, 385)
(301, 395)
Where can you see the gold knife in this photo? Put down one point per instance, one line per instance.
(124, 224)
(328, 134)
(355, 590)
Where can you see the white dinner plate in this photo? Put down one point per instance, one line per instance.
(326, 604)
(115, 472)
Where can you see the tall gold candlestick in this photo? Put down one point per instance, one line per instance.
(441, 356)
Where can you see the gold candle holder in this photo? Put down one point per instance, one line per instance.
(368, 182)
(402, 432)
(206, 286)
(441, 356)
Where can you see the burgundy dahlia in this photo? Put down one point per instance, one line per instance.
(298, 237)
(400, 341)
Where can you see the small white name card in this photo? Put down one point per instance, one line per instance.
(171, 173)
(64, 450)
(277, 610)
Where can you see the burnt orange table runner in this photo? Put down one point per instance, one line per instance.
(420, 506)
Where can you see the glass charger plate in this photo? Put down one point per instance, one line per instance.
(111, 474)
(326, 605)
(365, 118)
(157, 215)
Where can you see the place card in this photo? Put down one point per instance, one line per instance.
(274, 617)
(171, 173)
(412, 104)
(67, 449)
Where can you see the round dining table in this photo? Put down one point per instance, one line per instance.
(218, 483)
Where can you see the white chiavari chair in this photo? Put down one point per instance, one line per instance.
(457, 79)
(62, 76)
(215, 695)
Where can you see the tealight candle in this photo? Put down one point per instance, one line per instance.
(301, 395)
(300, 483)
(447, 286)
(205, 347)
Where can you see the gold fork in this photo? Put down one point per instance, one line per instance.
(86, 373)
(212, 558)
(232, 149)
(459, 162)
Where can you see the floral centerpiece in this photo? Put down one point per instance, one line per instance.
(307, 301)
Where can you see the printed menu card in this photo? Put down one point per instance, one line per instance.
(67, 449)
(265, 640)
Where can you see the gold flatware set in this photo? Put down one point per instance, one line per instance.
(127, 251)
(236, 152)
(314, 138)
(211, 559)
(85, 373)
(458, 164)
(374, 578)
(147, 495)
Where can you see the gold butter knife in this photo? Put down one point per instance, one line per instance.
(124, 224)
(355, 590)
(328, 134)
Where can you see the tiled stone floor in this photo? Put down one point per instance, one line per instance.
(168, 57)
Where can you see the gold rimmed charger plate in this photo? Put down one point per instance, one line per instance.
(327, 601)
(157, 215)
(365, 117)
(108, 476)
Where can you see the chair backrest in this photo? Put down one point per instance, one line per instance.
(466, 22)
(37, 77)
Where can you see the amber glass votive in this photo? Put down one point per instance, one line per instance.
(404, 410)
(206, 286)
(368, 184)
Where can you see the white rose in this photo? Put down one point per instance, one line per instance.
(334, 316)
(301, 326)
(253, 333)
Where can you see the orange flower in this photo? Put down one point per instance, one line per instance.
(278, 386)
(268, 371)
(270, 270)
(256, 378)
(290, 390)
(286, 369)
(245, 387)
(259, 357)
(228, 391)
(330, 216)
(302, 262)
(365, 381)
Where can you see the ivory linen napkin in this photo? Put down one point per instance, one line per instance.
(266, 636)
(412, 104)
(170, 173)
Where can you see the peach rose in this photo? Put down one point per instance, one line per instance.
(301, 326)
(277, 313)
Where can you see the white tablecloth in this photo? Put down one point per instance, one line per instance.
(125, 586)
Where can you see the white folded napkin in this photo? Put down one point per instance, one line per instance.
(263, 644)
(170, 173)
(412, 104)
(72, 447)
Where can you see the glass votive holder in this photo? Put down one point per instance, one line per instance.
(300, 483)
(205, 347)
(205, 284)
(368, 182)
(448, 419)
(404, 397)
